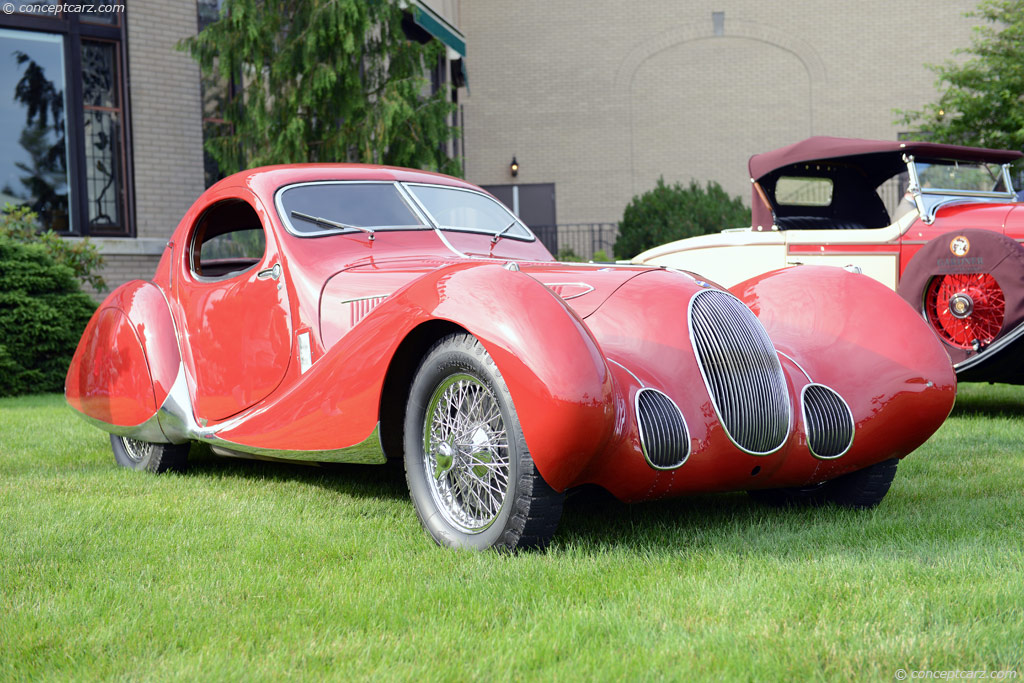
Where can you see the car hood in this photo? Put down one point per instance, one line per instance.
(351, 293)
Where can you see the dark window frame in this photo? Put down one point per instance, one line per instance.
(71, 27)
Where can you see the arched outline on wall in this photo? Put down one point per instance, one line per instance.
(734, 28)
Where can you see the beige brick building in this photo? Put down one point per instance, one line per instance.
(601, 98)
(595, 99)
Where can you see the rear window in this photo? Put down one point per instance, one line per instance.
(310, 210)
(803, 191)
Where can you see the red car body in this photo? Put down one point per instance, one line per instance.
(311, 350)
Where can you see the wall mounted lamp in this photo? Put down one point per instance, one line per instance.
(513, 168)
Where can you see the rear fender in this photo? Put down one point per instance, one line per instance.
(126, 361)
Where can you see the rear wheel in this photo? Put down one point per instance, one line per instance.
(861, 489)
(471, 477)
(148, 456)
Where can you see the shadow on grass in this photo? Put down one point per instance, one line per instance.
(983, 405)
(369, 481)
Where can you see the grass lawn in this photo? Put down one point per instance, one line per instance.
(249, 570)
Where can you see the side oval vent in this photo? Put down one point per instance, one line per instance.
(663, 435)
(828, 421)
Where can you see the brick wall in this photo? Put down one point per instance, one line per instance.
(601, 99)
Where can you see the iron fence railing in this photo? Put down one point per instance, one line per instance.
(578, 241)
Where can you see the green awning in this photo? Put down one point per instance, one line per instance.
(434, 24)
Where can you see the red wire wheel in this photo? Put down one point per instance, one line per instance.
(965, 307)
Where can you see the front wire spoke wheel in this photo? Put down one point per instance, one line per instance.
(467, 454)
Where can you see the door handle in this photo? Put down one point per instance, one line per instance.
(273, 272)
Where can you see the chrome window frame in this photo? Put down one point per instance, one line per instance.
(427, 223)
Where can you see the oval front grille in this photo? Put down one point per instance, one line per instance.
(828, 421)
(741, 370)
(663, 435)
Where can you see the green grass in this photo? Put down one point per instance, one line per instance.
(249, 570)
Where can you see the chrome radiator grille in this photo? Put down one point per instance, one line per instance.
(741, 370)
(828, 421)
(663, 435)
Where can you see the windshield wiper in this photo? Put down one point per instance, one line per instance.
(326, 223)
(501, 233)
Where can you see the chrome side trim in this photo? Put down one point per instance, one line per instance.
(367, 452)
(793, 361)
(642, 385)
(364, 298)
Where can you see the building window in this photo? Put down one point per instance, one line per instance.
(63, 121)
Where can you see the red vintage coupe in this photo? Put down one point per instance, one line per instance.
(349, 313)
(940, 224)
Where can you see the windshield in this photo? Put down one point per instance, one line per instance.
(327, 208)
(456, 209)
(953, 177)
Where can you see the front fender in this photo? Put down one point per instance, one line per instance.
(858, 337)
(554, 370)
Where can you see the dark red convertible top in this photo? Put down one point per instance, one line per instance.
(821, 147)
(874, 160)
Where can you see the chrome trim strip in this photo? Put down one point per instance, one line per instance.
(798, 366)
(422, 212)
(588, 288)
(642, 385)
(807, 424)
(369, 451)
(640, 429)
(365, 298)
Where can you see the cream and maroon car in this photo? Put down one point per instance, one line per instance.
(940, 224)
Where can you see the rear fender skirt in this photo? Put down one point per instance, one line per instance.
(126, 361)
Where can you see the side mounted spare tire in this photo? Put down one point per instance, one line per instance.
(969, 287)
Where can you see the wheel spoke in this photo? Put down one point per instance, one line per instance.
(979, 321)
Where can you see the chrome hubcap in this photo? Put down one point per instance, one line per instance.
(136, 450)
(467, 454)
(961, 306)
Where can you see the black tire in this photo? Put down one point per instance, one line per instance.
(860, 490)
(150, 457)
(485, 493)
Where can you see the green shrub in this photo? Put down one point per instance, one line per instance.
(22, 225)
(672, 212)
(42, 316)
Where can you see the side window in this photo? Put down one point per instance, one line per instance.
(227, 241)
(803, 191)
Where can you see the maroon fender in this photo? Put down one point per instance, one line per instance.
(551, 364)
(900, 387)
(128, 358)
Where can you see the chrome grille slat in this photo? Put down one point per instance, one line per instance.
(827, 420)
(664, 439)
(741, 371)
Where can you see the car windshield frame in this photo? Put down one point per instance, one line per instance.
(287, 218)
(410, 200)
(528, 237)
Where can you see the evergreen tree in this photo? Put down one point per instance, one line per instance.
(323, 81)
